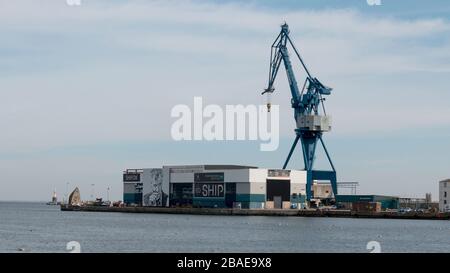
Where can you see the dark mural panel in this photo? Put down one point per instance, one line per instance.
(181, 194)
(230, 194)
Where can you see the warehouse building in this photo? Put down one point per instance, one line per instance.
(444, 200)
(221, 186)
(418, 203)
(387, 202)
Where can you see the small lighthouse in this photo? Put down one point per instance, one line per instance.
(54, 197)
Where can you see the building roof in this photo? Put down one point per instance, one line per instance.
(212, 167)
(354, 197)
(227, 167)
(445, 180)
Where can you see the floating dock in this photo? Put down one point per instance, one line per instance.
(264, 212)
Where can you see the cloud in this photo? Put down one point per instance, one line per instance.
(111, 71)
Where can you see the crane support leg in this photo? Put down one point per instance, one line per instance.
(332, 174)
(326, 152)
(291, 151)
(309, 144)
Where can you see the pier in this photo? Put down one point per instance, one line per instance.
(263, 212)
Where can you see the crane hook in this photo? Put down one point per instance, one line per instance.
(269, 101)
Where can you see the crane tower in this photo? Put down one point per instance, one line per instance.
(309, 110)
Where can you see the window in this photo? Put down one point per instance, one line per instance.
(445, 194)
(445, 202)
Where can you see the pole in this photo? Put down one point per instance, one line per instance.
(92, 194)
(66, 196)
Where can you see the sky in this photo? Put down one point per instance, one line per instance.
(86, 91)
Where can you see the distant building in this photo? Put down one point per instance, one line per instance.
(418, 203)
(322, 190)
(322, 194)
(444, 189)
(387, 202)
(428, 197)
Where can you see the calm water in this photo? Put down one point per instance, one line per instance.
(37, 227)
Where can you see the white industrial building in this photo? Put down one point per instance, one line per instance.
(444, 200)
(222, 186)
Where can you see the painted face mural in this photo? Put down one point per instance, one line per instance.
(154, 195)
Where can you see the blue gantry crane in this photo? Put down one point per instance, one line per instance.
(307, 104)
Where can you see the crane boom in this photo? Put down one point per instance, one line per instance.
(306, 103)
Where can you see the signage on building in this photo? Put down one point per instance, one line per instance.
(209, 190)
(208, 177)
(131, 177)
(279, 173)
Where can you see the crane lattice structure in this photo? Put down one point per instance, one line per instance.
(307, 104)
